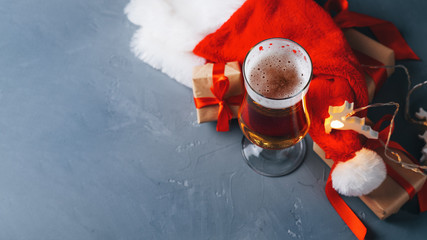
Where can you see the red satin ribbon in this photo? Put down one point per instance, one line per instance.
(345, 212)
(219, 88)
(386, 32)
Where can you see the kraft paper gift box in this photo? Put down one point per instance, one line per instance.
(390, 196)
(371, 52)
(202, 82)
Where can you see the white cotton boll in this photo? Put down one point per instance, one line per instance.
(170, 29)
(424, 156)
(421, 114)
(424, 150)
(360, 175)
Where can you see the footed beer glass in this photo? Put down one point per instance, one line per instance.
(273, 115)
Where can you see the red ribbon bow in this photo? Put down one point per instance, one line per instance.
(219, 88)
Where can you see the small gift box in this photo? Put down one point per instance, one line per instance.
(218, 92)
(371, 53)
(398, 187)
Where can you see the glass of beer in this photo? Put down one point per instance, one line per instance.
(273, 115)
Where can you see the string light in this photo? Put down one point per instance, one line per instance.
(337, 124)
(421, 169)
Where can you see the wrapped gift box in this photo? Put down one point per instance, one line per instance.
(371, 52)
(202, 82)
(390, 196)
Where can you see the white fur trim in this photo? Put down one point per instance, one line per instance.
(360, 175)
(169, 31)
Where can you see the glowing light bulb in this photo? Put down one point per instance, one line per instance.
(337, 124)
(340, 118)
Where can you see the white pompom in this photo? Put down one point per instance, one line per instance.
(360, 175)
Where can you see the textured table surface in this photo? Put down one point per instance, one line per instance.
(95, 144)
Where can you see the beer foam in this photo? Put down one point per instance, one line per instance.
(277, 73)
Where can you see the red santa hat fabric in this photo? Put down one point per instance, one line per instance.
(337, 77)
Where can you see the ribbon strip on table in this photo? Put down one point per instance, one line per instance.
(219, 88)
(345, 212)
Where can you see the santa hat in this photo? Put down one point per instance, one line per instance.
(337, 76)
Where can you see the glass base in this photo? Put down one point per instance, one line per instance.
(273, 163)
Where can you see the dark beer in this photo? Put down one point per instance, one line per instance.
(273, 114)
(273, 128)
